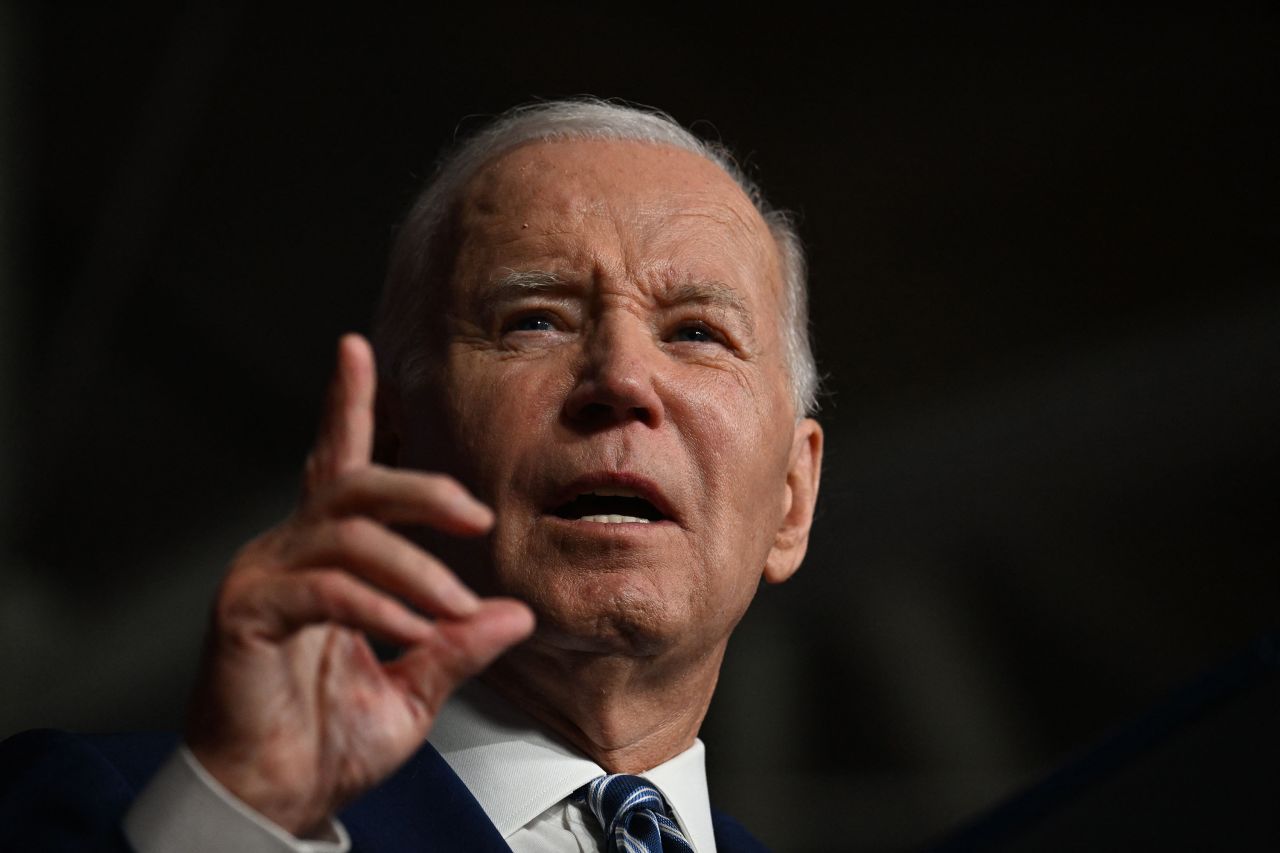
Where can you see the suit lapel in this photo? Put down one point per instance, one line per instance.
(424, 806)
(732, 837)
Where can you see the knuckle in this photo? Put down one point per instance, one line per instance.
(329, 588)
(382, 610)
(268, 551)
(237, 602)
(350, 534)
(344, 491)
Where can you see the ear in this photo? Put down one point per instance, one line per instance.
(388, 410)
(803, 474)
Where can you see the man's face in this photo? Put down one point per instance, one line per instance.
(613, 385)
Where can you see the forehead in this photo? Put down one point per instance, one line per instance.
(637, 204)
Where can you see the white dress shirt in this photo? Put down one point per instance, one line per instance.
(521, 776)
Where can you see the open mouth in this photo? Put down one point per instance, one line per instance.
(609, 506)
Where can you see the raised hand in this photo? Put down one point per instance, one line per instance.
(293, 713)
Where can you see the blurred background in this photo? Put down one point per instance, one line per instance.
(1044, 286)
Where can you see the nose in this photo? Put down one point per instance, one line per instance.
(616, 383)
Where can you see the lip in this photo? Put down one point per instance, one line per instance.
(642, 486)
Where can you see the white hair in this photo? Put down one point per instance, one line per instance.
(418, 255)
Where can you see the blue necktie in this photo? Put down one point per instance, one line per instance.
(633, 814)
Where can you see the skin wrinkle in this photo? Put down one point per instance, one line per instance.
(664, 719)
(621, 258)
(625, 384)
(514, 284)
(406, 365)
(725, 311)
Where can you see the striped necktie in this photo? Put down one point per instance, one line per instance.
(633, 814)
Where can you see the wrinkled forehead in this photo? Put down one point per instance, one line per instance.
(647, 197)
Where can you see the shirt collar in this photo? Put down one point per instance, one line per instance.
(516, 770)
(683, 782)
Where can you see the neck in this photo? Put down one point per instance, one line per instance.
(626, 714)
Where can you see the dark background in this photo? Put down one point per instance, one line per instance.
(1044, 277)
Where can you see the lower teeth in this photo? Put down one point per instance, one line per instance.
(615, 519)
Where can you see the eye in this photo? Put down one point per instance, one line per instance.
(695, 333)
(531, 323)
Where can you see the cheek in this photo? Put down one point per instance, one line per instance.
(741, 454)
(730, 420)
(504, 410)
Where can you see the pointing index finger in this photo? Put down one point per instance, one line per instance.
(345, 439)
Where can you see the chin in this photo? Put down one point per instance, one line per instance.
(605, 614)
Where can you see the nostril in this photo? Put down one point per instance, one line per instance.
(595, 411)
(598, 402)
(614, 391)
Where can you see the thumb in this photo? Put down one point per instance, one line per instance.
(462, 648)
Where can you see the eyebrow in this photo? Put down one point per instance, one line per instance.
(519, 282)
(715, 294)
(513, 284)
(720, 298)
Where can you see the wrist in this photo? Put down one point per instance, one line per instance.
(271, 794)
(184, 808)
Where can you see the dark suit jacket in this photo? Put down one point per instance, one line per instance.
(68, 792)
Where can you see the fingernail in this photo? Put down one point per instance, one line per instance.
(483, 514)
(468, 507)
(475, 510)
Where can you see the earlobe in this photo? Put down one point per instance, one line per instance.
(803, 475)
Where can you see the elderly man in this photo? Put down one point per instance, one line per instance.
(588, 445)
